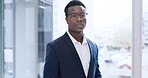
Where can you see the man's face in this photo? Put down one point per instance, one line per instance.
(76, 18)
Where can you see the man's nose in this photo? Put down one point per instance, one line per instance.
(79, 18)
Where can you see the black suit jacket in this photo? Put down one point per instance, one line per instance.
(62, 60)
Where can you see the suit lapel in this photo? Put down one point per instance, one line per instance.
(73, 51)
(92, 59)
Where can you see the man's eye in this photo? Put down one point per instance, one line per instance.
(73, 16)
(83, 15)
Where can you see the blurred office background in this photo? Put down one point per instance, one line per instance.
(26, 26)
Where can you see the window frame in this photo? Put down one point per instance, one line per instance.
(1, 38)
(137, 38)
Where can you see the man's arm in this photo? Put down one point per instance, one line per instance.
(98, 73)
(51, 67)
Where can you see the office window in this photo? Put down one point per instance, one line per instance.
(145, 39)
(45, 30)
(27, 30)
(8, 39)
(113, 34)
(111, 23)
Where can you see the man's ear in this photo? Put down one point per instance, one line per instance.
(66, 20)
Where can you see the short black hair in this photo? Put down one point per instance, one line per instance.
(72, 3)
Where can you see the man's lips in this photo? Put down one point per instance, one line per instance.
(81, 24)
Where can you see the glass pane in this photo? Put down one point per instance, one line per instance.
(45, 31)
(145, 40)
(113, 34)
(44, 36)
(8, 39)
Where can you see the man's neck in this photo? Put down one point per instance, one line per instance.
(77, 35)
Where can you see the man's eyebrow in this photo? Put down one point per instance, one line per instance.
(73, 13)
(77, 13)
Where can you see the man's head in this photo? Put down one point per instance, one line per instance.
(75, 13)
(72, 3)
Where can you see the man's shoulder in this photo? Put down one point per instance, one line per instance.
(90, 41)
(59, 39)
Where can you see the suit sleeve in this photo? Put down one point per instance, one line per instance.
(98, 73)
(51, 67)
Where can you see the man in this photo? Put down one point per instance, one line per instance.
(72, 55)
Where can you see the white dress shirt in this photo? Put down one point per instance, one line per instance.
(83, 52)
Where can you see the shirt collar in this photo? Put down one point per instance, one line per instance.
(75, 41)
